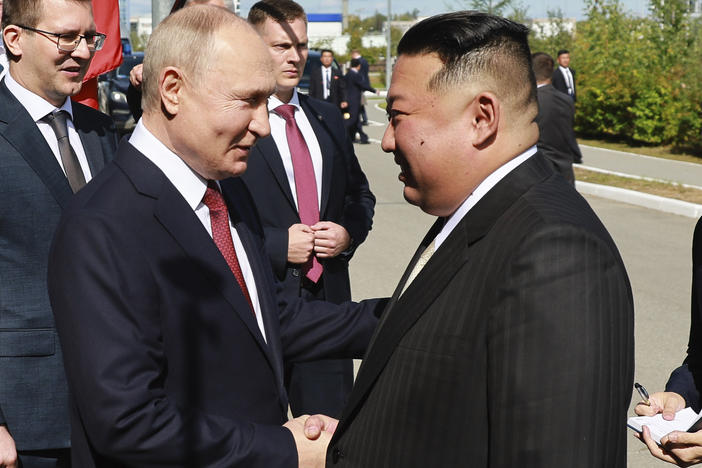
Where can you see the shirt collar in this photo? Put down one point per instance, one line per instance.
(274, 102)
(37, 106)
(189, 183)
(479, 192)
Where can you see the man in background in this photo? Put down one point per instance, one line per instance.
(174, 333)
(556, 118)
(516, 308)
(49, 148)
(355, 54)
(564, 76)
(355, 86)
(4, 64)
(327, 82)
(311, 195)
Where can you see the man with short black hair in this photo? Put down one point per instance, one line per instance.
(326, 81)
(355, 86)
(564, 77)
(509, 340)
(556, 117)
(49, 148)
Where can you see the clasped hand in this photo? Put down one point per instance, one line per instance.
(312, 435)
(323, 239)
(678, 448)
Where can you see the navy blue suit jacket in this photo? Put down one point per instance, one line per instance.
(337, 90)
(33, 192)
(165, 362)
(355, 85)
(346, 198)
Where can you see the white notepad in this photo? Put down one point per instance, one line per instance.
(684, 419)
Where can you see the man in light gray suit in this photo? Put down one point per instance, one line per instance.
(43, 137)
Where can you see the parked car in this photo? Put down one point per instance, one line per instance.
(112, 92)
(313, 61)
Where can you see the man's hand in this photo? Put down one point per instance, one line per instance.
(135, 76)
(310, 453)
(300, 243)
(8, 452)
(344, 104)
(678, 448)
(318, 423)
(330, 239)
(667, 403)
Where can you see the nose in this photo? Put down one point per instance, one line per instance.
(82, 50)
(294, 55)
(259, 124)
(388, 142)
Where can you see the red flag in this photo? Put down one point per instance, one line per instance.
(106, 14)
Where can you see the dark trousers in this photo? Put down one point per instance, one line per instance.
(58, 458)
(318, 386)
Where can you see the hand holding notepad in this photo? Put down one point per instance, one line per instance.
(686, 420)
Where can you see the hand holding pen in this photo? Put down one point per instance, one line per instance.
(667, 403)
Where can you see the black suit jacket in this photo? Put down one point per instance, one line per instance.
(346, 199)
(559, 82)
(337, 90)
(33, 192)
(556, 135)
(355, 86)
(165, 362)
(687, 379)
(513, 347)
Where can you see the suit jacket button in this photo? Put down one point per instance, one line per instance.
(296, 272)
(336, 455)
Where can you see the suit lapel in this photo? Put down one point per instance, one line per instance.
(326, 145)
(268, 151)
(403, 312)
(92, 145)
(176, 216)
(18, 128)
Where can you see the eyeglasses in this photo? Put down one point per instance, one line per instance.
(68, 42)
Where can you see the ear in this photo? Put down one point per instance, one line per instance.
(170, 88)
(12, 35)
(485, 118)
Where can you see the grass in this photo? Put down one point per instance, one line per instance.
(662, 189)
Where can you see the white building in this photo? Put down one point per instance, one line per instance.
(141, 25)
(547, 27)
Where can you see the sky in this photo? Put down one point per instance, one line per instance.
(536, 8)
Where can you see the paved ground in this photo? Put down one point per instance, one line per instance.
(655, 246)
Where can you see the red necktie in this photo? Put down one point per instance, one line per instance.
(305, 181)
(222, 236)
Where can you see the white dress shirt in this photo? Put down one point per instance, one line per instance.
(326, 78)
(281, 141)
(38, 108)
(479, 192)
(192, 187)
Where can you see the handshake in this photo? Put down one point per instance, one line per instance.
(312, 436)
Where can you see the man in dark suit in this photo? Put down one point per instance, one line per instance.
(355, 86)
(365, 68)
(564, 77)
(311, 223)
(509, 339)
(556, 115)
(174, 335)
(40, 170)
(327, 83)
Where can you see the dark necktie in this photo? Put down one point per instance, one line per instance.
(305, 181)
(1, 68)
(222, 235)
(74, 173)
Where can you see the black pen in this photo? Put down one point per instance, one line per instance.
(642, 391)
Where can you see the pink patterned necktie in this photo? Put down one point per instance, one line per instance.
(305, 181)
(222, 235)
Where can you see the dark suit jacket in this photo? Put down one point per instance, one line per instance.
(559, 82)
(337, 90)
(364, 70)
(355, 85)
(346, 199)
(165, 362)
(513, 347)
(33, 192)
(687, 379)
(556, 136)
